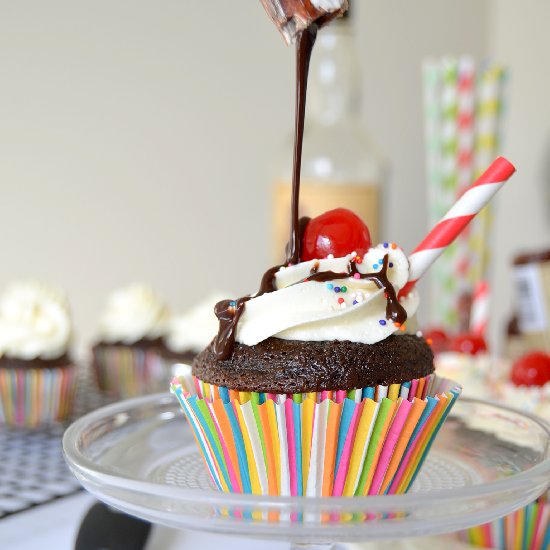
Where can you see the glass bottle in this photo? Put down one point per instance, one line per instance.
(340, 165)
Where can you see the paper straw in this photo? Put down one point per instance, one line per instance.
(458, 217)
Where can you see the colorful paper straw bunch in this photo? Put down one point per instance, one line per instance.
(463, 114)
(366, 442)
(526, 529)
(30, 397)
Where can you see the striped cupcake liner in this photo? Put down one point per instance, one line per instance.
(368, 441)
(525, 529)
(31, 397)
(125, 371)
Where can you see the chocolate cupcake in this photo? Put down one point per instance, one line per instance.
(37, 375)
(320, 364)
(127, 357)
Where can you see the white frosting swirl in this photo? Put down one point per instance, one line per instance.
(132, 314)
(35, 322)
(193, 331)
(312, 311)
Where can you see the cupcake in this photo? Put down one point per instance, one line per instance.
(37, 376)
(127, 357)
(189, 333)
(527, 389)
(313, 385)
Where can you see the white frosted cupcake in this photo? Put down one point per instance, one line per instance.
(37, 376)
(126, 356)
(189, 333)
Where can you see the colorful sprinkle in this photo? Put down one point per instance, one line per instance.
(358, 260)
(382, 322)
(340, 300)
(429, 341)
(397, 324)
(355, 302)
(356, 275)
(337, 289)
(344, 289)
(375, 266)
(386, 245)
(393, 245)
(330, 286)
(402, 328)
(232, 303)
(390, 264)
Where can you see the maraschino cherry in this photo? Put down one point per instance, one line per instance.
(469, 343)
(532, 369)
(437, 338)
(337, 232)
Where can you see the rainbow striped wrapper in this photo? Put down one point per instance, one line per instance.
(33, 397)
(366, 441)
(526, 529)
(127, 371)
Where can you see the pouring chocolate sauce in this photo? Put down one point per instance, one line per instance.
(229, 311)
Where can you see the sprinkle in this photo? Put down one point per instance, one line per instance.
(337, 289)
(402, 328)
(357, 275)
(355, 302)
(330, 257)
(381, 261)
(382, 322)
(391, 264)
(358, 260)
(397, 324)
(393, 245)
(340, 300)
(232, 303)
(375, 266)
(429, 341)
(419, 333)
(344, 289)
(386, 246)
(330, 286)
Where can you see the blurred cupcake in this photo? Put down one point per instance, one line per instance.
(37, 376)
(528, 389)
(189, 333)
(126, 358)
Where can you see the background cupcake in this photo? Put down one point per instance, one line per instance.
(528, 389)
(37, 376)
(126, 358)
(189, 333)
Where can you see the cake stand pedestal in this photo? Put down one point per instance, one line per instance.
(139, 456)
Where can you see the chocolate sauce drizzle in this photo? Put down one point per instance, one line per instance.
(229, 311)
(394, 310)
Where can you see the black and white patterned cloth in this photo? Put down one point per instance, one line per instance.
(32, 468)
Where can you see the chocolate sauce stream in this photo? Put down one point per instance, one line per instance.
(228, 314)
(303, 55)
(229, 311)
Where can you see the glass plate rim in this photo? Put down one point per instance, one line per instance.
(81, 465)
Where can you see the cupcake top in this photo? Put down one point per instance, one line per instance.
(528, 387)
(35, 322)
(193, 331)
(332, 320)
(132, 314)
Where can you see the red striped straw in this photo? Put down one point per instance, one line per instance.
(457, 218)
(479, 319)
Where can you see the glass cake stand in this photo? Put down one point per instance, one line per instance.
(139, 456)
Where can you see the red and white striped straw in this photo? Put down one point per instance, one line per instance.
(457, 218)
(479, 319)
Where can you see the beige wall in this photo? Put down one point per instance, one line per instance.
(131, 149)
